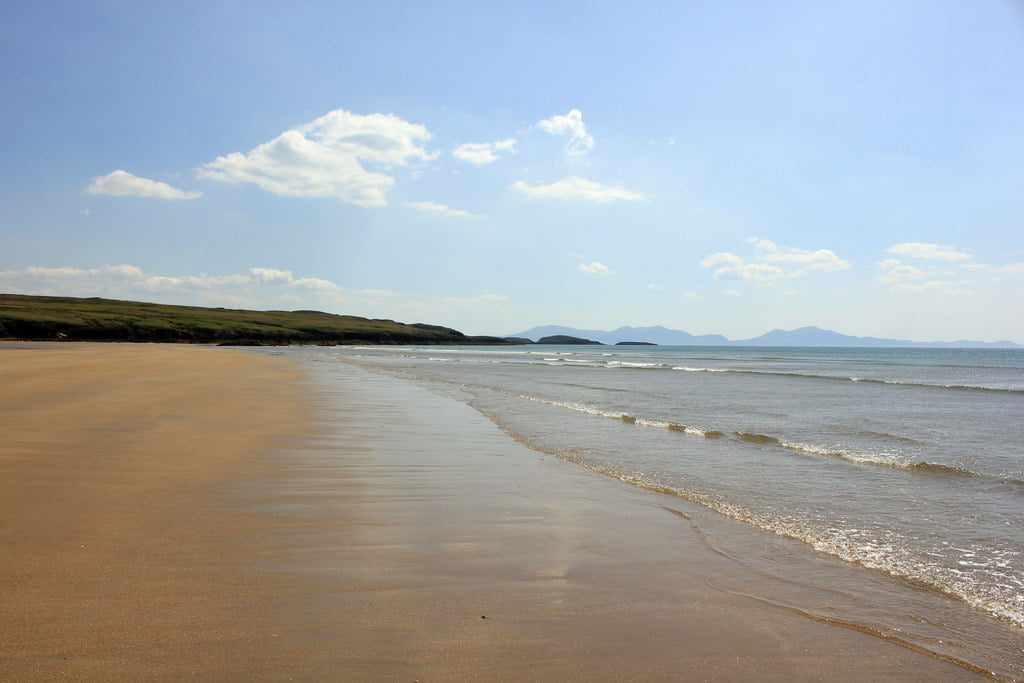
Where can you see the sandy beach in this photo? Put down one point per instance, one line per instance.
(175, 512)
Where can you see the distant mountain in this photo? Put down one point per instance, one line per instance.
(815, 336)
(652, 335)
(805, 336)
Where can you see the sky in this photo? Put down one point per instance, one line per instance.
(717, 167)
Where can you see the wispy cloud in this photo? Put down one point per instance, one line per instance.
(821, 259)
(729, 266)
(940, 269)
(439, 210)
(315, 284)
(926, 250)
(596, 268)
(904, 278)
(571, 128)
(479, 301)
(271, 276)
(575, 188)
(772, 262)
(123, 184)
(481, 153)
(128, 281)
(326, 157)
(1010, 269)
(121, 272)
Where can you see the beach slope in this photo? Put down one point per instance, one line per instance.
(182, 512)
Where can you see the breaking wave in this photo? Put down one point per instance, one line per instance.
(858, 546)
(878, 459)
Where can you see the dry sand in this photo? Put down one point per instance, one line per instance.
(175, 512)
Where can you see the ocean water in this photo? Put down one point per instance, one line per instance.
(888, 481)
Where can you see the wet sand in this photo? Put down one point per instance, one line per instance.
(177, 512)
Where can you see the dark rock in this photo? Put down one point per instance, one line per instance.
(567, 340)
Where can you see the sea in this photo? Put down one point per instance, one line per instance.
(880, 489)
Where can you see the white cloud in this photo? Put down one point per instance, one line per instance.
(906, 278)
(940, 286)
(927, 250)
(131, 282)
(480, 153)
(654, 288)
(194, 282)
(571, 127)
(315, 283)
(326, 157)
(897, 273)
(121, 281)
(941, 269)
(595, 268)
(275, 277)
(440, 210)
(763, 268)
(480, 301)
(731, 267)
(120, 272)
(271, 276)
(576, 188)
(822, 259)
(123, 184)
(733, 292)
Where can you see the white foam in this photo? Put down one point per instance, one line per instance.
(688, 369)
(625, 364)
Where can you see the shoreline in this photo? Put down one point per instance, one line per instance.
(355, 526)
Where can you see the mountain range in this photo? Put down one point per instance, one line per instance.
(804, 336)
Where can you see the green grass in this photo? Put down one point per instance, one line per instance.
(65, 318)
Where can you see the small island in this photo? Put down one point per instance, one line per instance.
(634, 343)
(567, 340)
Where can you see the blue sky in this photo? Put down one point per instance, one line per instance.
(718, 167)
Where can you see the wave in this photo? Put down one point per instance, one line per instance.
(883, 460)
(885, 633)
(564, 359)
(689, 369)
(617, 361)
(862, 458)
(885, 552)
(866, 380)
(624, 417)
(636, 366)
(887, 460)
(852, 545)
(956, 387)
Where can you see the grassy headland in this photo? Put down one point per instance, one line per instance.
(40, 318)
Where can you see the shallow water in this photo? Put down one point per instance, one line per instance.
(906, 462)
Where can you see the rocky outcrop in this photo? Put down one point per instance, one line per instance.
(567, 340)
